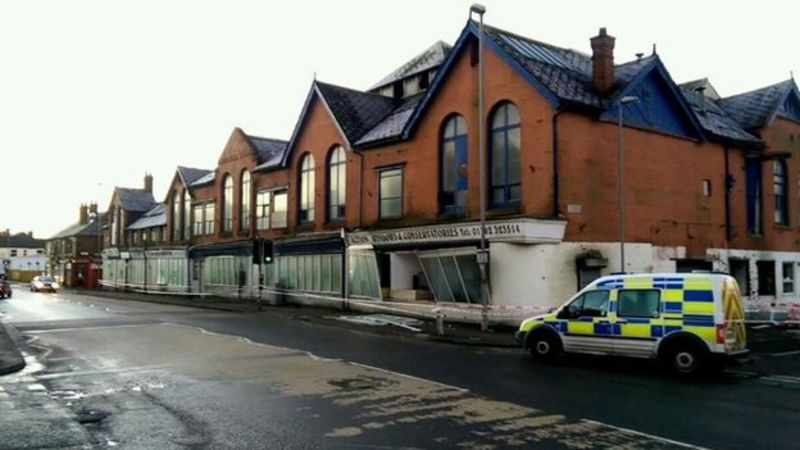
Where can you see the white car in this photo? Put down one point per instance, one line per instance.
(43, 283)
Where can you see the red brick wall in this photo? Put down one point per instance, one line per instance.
(237, 157)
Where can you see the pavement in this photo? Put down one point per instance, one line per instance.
(11, 359)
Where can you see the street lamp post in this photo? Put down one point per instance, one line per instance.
(483, 256)
(95, 217)
(622, 102)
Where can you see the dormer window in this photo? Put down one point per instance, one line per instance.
(410, 86)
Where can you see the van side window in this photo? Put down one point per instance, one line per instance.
(590, 304)
(638, 302)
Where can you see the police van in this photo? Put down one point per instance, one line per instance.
(691, 321)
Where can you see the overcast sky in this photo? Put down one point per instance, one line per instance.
(95, 93)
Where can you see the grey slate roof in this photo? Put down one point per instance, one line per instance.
(205, 179)
(76, 230)
(356, 112)
(135, 200)
(392, 125)
(756, 108)
(432, 56)
(190, 175)
(717, 122)
(155, 217)
(269, 151)
(21, 240)
(694, 85)
(566, 73)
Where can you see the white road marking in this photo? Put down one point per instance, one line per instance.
(649, 436)
(79, 328)
(410, 377)
(789, 353)
(782, 378)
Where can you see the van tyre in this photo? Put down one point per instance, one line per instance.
(687, 359)
(544, 346)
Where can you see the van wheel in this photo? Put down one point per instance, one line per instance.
(686, 359)
(544, 346)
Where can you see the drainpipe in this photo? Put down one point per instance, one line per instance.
(555, 160)
(728, 188)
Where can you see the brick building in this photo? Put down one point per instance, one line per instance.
(375, 195)
(74, 253)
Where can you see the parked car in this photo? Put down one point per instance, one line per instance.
(43, 283)
(691, 322)
(5, 289)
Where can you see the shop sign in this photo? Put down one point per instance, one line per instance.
(519, 230)
(111, 252)
(166, 253)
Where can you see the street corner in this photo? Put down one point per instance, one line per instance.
(11, 360)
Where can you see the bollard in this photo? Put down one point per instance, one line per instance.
(439, 322)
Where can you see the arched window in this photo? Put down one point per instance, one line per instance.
(176, 216)
(306, 210)
(453, 179)
(504, 151)
(227, 203)
(187, 215)
(781, 193)
(337, 168)
(244, 217)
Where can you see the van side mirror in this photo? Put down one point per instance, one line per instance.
(563, 314)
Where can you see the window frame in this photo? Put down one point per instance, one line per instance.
(505, 129)
(336, 171)
(444, 140)
(306, 185)
(780, 183)
(284, 222)
(227, 203)
(245, 200)
(176, 213)
(381, 173)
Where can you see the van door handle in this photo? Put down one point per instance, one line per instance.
(603, 321)
(622, 321)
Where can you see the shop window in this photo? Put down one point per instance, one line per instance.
(766, 277)
(363, 274)
(788, 278)
(306, 200)
(391, 193)
(453, 278)
(337, 175)
(504, 151)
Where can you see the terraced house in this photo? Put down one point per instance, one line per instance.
(375, 195)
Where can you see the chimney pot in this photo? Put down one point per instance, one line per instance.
(148, 183)
(83, 215)
(603, 61)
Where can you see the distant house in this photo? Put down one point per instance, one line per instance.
(74, 253)
(21, 255)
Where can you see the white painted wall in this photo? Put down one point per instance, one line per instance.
(403, 268)
(754, 299)
(546, 275)
(29, 263)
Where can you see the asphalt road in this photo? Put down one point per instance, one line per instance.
(115, 373)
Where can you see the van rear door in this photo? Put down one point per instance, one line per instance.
(732, 332)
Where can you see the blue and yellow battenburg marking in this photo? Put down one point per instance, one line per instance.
(686, 304)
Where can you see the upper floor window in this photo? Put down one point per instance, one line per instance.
(208, 218)
(306, 202)
(337, 174)
(280, 204)
(187, 215)
(244, 215)
(197, 220)
(453, 180)
(780, 191)
(390, 193)
(504, 152)
(753, 193)
(227, 204)
(176, 212)
(262, 209)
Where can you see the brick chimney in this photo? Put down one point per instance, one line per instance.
(148, 183)
(83, 215)
(603, 61)
(93, 208)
